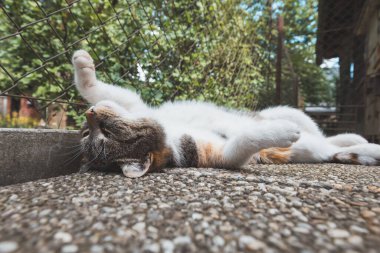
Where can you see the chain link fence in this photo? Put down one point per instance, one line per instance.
(165, 50)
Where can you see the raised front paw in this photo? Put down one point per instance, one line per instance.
(81, 59)
(84, 70)
(280, 133)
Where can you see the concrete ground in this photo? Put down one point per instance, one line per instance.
(289, 208)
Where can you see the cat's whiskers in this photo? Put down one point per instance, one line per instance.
(104, 150)
(96, 157)
(69, 152)
(71, 159)
(73, 146)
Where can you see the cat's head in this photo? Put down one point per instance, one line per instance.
(112, 140)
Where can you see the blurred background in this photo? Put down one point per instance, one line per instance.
(318, 55)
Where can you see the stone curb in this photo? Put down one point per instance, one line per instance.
(32, 154)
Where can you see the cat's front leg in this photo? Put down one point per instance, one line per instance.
(85, 76)
(94, 90)
(277, 133)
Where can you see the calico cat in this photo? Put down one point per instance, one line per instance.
(122, 131)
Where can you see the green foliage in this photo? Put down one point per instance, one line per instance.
(220, 51)
(300, 28)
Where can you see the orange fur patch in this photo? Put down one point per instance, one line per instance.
(161, 158)
(274, 156)
(209, 155)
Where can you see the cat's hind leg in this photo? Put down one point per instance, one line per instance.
(302, 120)
(94, 90)
(312, 149)
(239, 150)
(362, 154)
(346, 140)
(308, 149)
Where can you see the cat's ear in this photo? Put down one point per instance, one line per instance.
(135, 168)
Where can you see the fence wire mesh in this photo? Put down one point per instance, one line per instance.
(233, 53)
(165, 50)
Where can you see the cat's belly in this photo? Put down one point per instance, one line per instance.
(203, 116)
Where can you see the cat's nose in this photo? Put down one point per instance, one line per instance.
(90, 115)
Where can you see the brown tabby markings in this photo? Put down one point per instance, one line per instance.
(189, 151)
(275, 155)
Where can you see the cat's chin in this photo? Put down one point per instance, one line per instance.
(137, 168)
(134, 170)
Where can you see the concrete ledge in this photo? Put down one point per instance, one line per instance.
(31, 154)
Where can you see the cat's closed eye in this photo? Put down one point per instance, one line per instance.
(86, 133)
(105, 132)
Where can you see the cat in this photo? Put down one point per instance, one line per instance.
(122, 131)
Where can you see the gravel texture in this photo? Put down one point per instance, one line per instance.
(263, 208)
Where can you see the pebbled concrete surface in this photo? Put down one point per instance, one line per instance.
(263, 208)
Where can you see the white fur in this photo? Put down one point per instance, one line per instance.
(346, 140)
(240, 136)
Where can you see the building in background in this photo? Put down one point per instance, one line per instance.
(23, 112)
(368, 27)
(350, 31)
(5, 106)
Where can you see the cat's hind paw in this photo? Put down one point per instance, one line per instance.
(82, 59)
(290, 133)
(365, 154)
(281, 134)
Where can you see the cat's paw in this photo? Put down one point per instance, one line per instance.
(83, 60)
(85, 76)
(287, 133)
(365, 154)
(281, 133)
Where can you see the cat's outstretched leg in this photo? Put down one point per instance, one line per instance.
(313, 149)
(94, 90)
(308, 149)
(277, 133)
(302, 120)
(362, 154)
(346, 140)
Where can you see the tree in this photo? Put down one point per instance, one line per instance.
(219, 51)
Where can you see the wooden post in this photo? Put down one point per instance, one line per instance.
(295, 77)
(296, 92)
(345, 60)
(280, 29)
